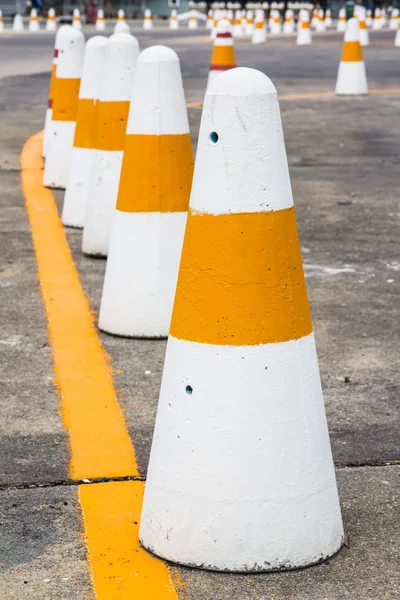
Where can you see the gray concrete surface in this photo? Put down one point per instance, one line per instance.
(344, 161)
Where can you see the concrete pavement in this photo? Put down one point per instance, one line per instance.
(343, 158)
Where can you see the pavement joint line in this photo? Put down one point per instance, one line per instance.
(75, 482)
(99, 440)
(314, 95)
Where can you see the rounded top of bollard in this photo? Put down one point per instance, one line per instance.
(241, 81)
(158, 54)
(352, 33)
(67, 32)
(122, 39)
(97, 41)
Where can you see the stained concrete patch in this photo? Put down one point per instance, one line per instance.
(42, 554)
(368, 570)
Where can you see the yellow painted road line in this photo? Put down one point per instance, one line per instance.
(100, 444)
(313, 95)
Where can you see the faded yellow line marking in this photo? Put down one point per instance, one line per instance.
(100, 444)
(313, 95)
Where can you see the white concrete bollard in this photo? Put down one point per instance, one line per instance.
(18, 23)
(320, 24)
(192, 22)
(241, 457)
(49, 109)
(80, 169)
(71, 47)
(352, 79)
(100, 22)
(249, 23)
(259, 35)
(51, 23)
(304, 36)
(341, 24)
(288, 25)
(173, 20)
(238, 30)
(153, 198)
(33, 21)
(276, 26)
(121, 54)
(148, 21)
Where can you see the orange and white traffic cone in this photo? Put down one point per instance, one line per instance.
(361, 17)
(18, 23)
(304, 37)
(49, 109)
(210, 20)
(223, 54)
(34, 21)
(51, 24)
(173, 20)
(71, 47)
(328, 18)
(241, 393)
(376, 23)
(192, 22)
(76, 19)
(100, 22)
(237, 30)
(320, 24)
(341, 24)
(148, 21)
(153, 198)
(394, 19)
(80, 169)
(1, 21)
(276, 26)
(249, 23)
(121, 54)
(288, 25)
(397, 38)
(369, 18)
(121, 25)
(352, 79)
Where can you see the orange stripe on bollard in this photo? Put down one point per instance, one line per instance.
(111, 121)
(85, 130)
(259, 299)
(352, 52)
(161, 187)
(65, 99)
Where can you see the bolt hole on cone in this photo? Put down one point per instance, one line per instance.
(241, 475)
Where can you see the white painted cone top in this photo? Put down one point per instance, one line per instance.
(79, 176)
(51, 23)
(34, 21)
(241, 475)
(76, 19)
(121, 54)
(223, 54)
(153, 198)
(173, 20)
(351, 79)
(341, 24)
(18, 23)
(100, 22)
(304, 36)
(71, 46)
(397, 38)
(148, 21)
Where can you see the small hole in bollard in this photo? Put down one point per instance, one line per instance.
(189, 389)
(214, 137)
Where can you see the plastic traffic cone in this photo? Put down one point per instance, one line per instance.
(304, 37)
(351, 79)
(51, 24)
(341, 24)
(100, 22)
(173, 20)
(223, 54)
(1, 21)
(76, 19)
(148, 21)
(33, 21)
(18, 23)
(121, 54)
(49, 109)
(71, 46)
(80, 169)
(241, 476)
(121, 26)
(288, 25)
(153, 198)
